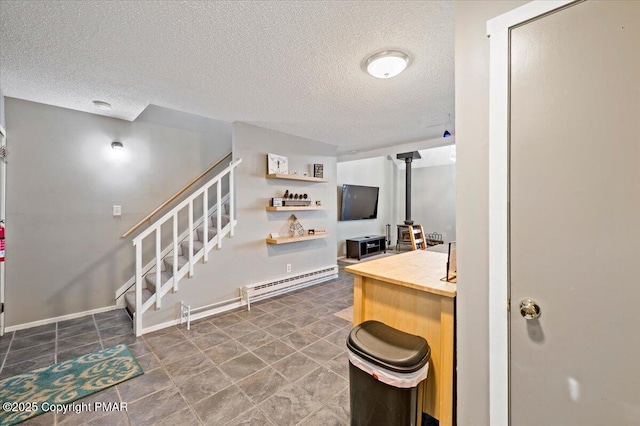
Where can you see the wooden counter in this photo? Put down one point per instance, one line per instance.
(405, 292)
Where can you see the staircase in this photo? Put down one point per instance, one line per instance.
(204, 231)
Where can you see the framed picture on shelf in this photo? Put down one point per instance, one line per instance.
(318, 170)
(277, 164)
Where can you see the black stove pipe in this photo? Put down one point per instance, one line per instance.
(407, 194)
(408, 159)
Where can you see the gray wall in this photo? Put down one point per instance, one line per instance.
(433, 199)
(64, 251)
(379, 172)
(247, 258)
(472, 140)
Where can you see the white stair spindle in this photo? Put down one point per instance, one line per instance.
(205, 223)
(175, 252)
(190, 238)
(231, 203)
(138, 315)
(158, 269)
(219, 212)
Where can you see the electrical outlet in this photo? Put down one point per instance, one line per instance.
(117, 210)
(288, 267)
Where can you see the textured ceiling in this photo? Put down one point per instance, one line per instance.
(291, 66)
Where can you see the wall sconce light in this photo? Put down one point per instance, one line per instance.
(117, 145)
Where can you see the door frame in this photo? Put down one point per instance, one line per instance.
(498, 30)
(3, 210)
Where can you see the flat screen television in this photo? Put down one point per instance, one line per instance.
(359, 202)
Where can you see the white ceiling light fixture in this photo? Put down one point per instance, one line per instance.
(105, 106)
(387, 64)
(117, 145)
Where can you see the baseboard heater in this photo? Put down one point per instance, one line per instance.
(259, 291)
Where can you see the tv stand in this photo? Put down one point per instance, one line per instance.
(369, 245)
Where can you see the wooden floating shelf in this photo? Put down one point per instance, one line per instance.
(287, 240)
(293, 208)
(296, 177)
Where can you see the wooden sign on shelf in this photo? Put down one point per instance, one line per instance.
(318, 170)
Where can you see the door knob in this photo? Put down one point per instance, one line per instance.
(529, 309)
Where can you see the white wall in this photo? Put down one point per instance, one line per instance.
(247, 258)
(472, 174)
(64, 251)
(379, 172)
(2, 109)
(433, 199)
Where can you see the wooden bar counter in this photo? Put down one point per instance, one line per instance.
(405, 292)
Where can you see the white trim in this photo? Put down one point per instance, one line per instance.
(498, 29)
(61, 318)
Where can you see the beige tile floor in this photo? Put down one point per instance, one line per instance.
(282, 363)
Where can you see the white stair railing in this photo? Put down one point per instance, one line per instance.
(208, 245)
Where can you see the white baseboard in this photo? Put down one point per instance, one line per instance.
(60, 318)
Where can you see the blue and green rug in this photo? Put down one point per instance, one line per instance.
(30, 394)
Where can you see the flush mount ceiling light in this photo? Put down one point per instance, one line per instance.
(106, 106)
(387, 64)
(117, 145)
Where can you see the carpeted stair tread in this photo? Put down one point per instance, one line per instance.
(214, 219)
(197, 246)
(130, 299)
(151, 279)
(212, 232)
(168, 262)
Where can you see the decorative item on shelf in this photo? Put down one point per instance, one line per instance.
(295, 228)
(291, 196)
(305, 196)
(318, 170)
(318, 202)
(299, 202)
(311, 231)
(276, 202)
(274, 235)
(286, 194)
(277, 164)
(319, 231)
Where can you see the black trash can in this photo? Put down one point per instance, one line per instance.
(386, 367)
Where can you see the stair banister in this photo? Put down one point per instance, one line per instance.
(162, 288)
(205, 226)
(182, 190)
(219, 215)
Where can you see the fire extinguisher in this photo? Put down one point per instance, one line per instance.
(2, 241)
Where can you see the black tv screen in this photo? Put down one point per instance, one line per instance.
(359, 202)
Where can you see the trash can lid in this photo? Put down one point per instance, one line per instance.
(388, 347)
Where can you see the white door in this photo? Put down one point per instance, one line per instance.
(574, 216)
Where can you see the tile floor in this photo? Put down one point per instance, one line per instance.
(282, 363)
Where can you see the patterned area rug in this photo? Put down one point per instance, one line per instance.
(47, 389)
